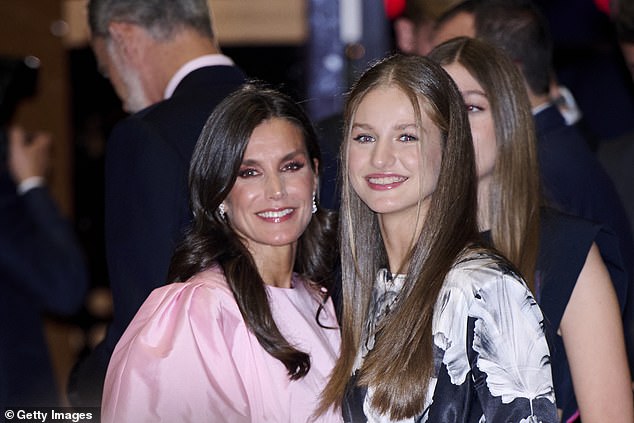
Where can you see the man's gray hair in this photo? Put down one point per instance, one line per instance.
(161, 18)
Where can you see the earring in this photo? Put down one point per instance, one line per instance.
(221, 210)
(314, 210)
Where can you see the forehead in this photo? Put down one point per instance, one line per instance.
(382, 107)
(463, 78)
(275, 137)
(391, 106)
(387, 99)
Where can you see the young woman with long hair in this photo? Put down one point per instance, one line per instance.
(563, 257)
(435, 327)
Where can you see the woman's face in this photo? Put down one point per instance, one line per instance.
(393, 164)
(480, 119)
(271, 201)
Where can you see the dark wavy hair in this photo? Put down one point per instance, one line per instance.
(212, 240)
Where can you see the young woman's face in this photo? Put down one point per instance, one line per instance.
(393, 164)
(480, 119)
(271, 201)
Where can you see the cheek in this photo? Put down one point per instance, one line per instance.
(303, 188)
(354, 176)
(417, 159)
(486, 153)
(430, 164)
(354, 162)
(483, 135)
(239, 197)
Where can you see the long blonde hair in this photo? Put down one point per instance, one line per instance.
(401, 363)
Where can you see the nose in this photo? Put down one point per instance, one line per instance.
(382, 153)
(275, 187)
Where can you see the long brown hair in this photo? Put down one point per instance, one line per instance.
(514, 199)
(212, 239)
(401, 363)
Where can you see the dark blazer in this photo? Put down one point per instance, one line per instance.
(575, 182)
(147, 202)
(42, 270)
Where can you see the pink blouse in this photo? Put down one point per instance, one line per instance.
(188, 356)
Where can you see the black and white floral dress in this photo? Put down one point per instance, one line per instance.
(492, 362)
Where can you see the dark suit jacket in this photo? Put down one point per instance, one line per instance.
(330, 135)
(575, 182)
(147, 202)
(42, 270)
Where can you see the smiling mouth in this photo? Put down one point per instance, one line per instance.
(386, 180)
(275, 214)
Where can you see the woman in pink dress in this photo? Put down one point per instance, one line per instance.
(250, 335)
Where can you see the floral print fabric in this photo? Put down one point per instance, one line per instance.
(492, 362)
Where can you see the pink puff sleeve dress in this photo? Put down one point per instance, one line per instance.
(188, 356)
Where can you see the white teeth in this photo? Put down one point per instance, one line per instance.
(386, 180)
(275, 214)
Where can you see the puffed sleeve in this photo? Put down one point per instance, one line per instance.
(508, 353)
(174, 362)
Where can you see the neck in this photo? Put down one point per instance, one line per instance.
(484, 200)
(537, 100)
(275, 264)
(164, 58)
(399, 238)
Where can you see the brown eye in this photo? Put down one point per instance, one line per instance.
(408, 138)
(473, 108)
(363, 138)
(293, 166)
(247, 173)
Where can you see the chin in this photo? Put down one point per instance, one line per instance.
(281, 241)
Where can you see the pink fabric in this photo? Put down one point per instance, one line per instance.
(187, 356)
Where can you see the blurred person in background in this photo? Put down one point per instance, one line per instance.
(164, 63)
(573, 179)
(413, 30)
(42, 271)
(557, 253)
(617, 156)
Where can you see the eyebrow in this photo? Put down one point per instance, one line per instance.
(401, 126)
(472, 92)
(361, 125)
(291, 155)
